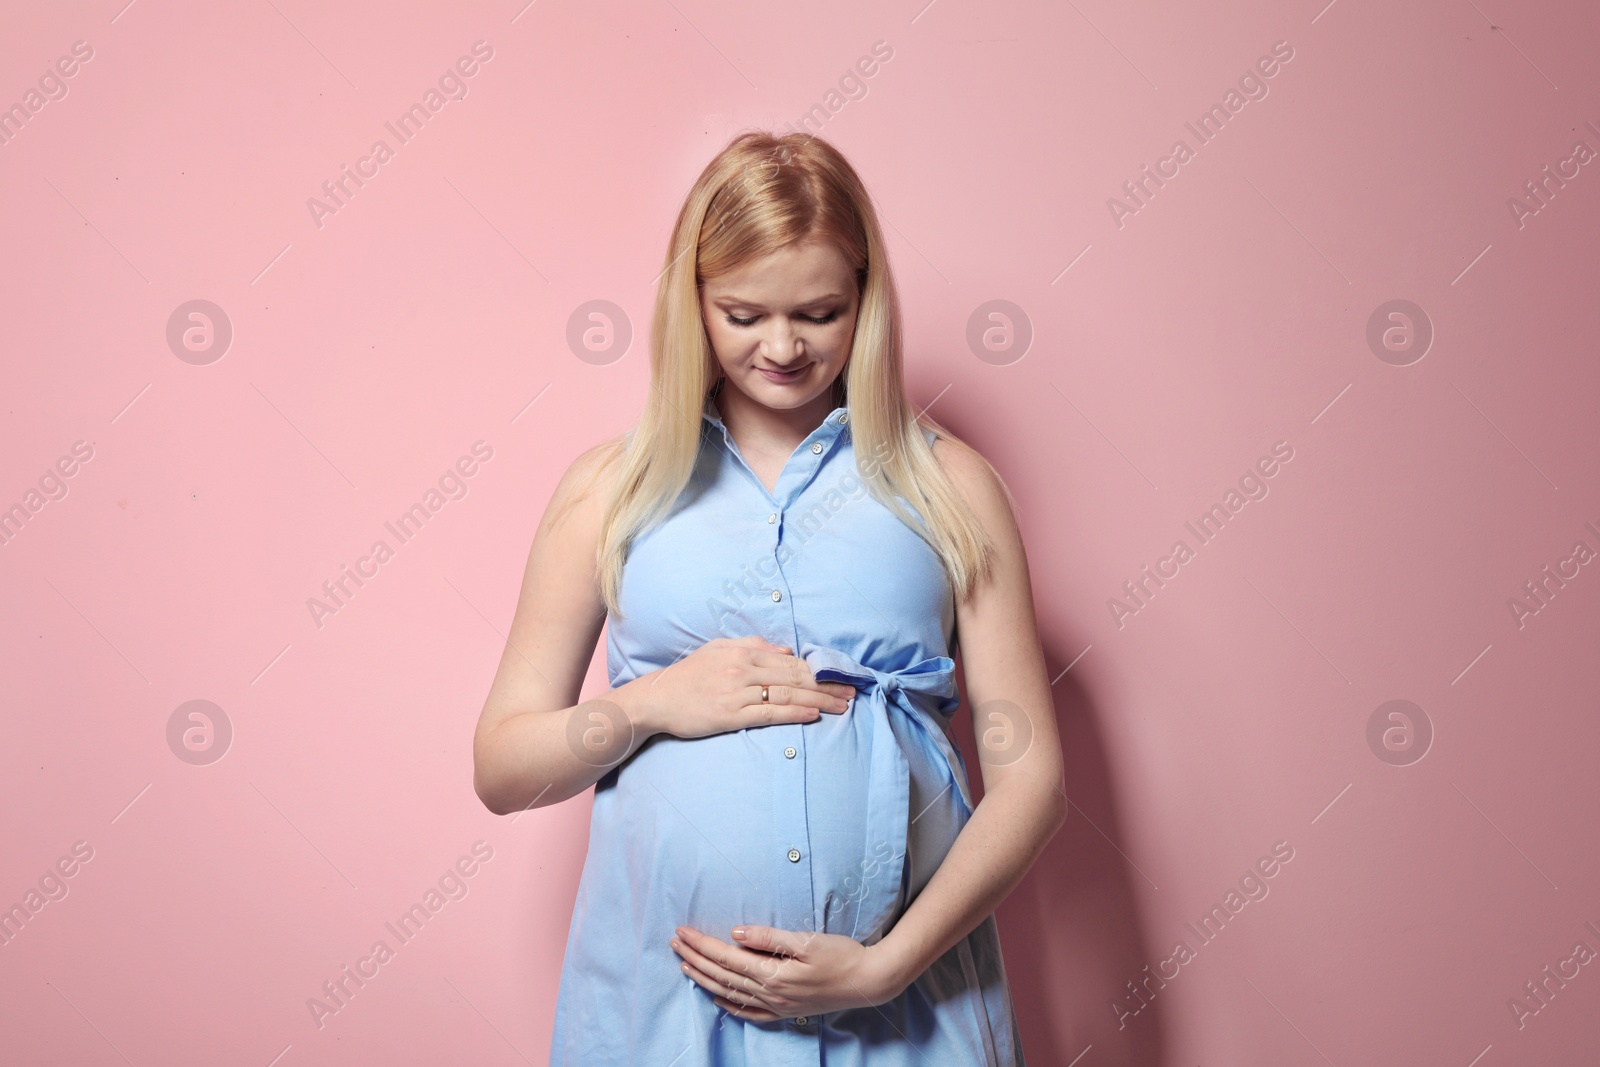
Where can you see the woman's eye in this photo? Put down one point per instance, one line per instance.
(734, 320)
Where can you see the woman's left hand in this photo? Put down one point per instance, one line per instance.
(769, 974)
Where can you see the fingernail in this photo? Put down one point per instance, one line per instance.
(738, 933)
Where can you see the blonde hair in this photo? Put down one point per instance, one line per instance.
(762, 193)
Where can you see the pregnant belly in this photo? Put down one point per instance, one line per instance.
(733, 828)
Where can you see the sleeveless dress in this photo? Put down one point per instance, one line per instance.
(833, 825)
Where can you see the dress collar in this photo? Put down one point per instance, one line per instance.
(803, 464)
(835, 421)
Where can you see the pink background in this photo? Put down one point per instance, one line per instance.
(1168, 353)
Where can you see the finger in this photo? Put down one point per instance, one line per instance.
(798, 674)
(772, 714)
(811, 698)
(758, 642)
(753, 1014)
(768, 939)
(808, 681)
(773, 656)
(719, 979)
(792, 670)
(746, 1007)
(719, 991)
(733, 1002)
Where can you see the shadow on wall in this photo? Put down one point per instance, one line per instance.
(1070, 933)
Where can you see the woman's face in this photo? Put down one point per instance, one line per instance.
(781, 327)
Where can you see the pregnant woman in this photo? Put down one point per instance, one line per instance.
(785, 865)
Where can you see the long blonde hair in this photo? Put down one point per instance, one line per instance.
(762, 193)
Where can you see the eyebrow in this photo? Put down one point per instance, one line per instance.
(741, 302)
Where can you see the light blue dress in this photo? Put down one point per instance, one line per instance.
(833, 825)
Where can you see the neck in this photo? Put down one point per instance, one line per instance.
(757, 427)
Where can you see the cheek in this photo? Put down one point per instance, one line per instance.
(835, 337)
(722, 341)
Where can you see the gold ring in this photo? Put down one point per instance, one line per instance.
(763, 694)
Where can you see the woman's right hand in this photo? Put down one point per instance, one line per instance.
(717, 688)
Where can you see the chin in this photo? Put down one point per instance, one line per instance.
(780, 401)
(784, 396)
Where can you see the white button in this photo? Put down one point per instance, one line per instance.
(794, 855)
(816, 446)
(844, 416)
(773, 517)
(801, 1020)
(776, 596)
(789, 752)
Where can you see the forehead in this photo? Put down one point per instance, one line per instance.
(810, 269)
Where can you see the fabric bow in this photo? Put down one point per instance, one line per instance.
(903, 791)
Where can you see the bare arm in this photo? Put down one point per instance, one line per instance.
(1023, 803)
(535, 745)
(521, 753)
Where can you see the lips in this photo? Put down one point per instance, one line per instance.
(785, 376)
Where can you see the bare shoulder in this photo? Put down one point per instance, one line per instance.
(585, 487)
(978, 483)
(594, 464)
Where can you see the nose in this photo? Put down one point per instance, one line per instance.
(784, 348)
